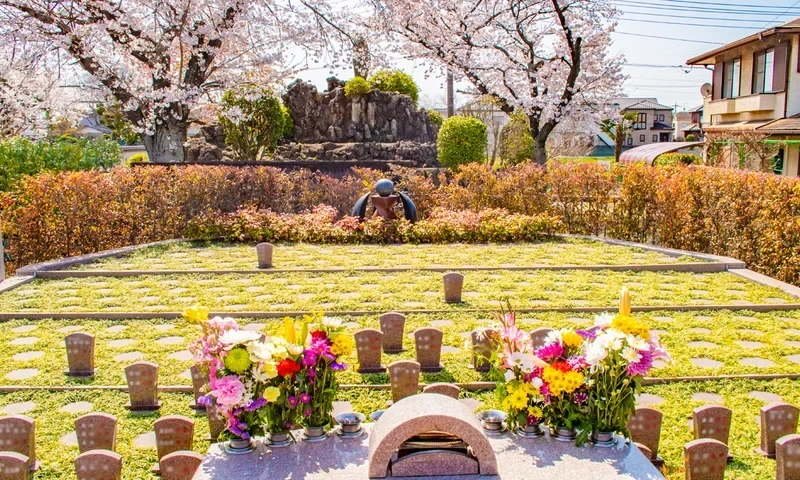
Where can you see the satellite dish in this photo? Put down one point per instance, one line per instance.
(706, 90)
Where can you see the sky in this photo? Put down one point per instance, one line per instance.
(655, 66)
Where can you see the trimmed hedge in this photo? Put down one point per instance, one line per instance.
(356, 86)
(751, 216)
(461, 140)
(395, 81)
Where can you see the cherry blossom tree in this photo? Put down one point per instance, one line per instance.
(159, 59)
(547, 58)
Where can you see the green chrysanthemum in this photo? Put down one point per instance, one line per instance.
(238, 360)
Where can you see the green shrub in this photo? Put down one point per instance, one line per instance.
(516, 142)
(137, 158)
(395, 81)
(21, 156)
(691, 138)
(356, 86)
(288, 123)
(253, 120)
(667, 159)
(462, 140)
(435, 117)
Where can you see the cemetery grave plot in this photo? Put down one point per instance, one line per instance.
(708, 342)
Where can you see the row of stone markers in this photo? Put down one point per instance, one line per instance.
(369, 347)
(97, 440)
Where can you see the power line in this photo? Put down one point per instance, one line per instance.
(716, 19)
(697, 2)
(668, 38)
(651, 65)
(752, 27)
(784, 13)
(681, 8)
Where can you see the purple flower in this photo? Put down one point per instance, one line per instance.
(590, 333)
(206, 400)
(643, 365)
(338, 366)
(288, 425)
(309, 358)
(307, 412)
(580, 397)
(577, 363)
(550, 351)
(293, 401)
(545, 391)
(256, 404)
(305, 398)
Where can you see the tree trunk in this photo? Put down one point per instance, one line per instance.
(165, 145)
(540, 149)
(618, 139)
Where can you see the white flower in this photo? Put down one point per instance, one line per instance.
(631, 355)
(596, 353)
(537, 383)
(521, 360)
(235, 115)
(237, 337)
(259, 351)
(603, 320)
(509, 375)
(554, 336)
(259, 375)
(295, 350)
(637, 342)
(331, 322)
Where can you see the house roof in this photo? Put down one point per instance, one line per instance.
(695, 109)
(708, 57)
(782, 126)
(692, 128)
(625, 102)
(647, 104)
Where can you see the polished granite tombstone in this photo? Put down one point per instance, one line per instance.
(347, 459)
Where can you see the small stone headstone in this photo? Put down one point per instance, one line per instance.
(98, 464)
(712, 421)
(142, 378)
(538, 337)
(14, 466)
(180, 465)
(404, 379)
(453, 285)
(216, 423)
(777, 419)
(80, 354)
(393, 325)
(787, 457)
(264, 253)
(645, 428)
(173, 433)
(447, 389)
(18, 434)
(96, 431)
(482, 348)
(429, 348)
(369, 346)
(199, 381)
(705, 459)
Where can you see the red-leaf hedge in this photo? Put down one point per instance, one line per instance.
(751, 216)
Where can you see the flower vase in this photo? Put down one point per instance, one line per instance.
(279, 439)
(603, 439)
(563, 434)
(314, 434)
(530, 431)
(240, 446)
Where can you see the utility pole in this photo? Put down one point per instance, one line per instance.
(450, 96)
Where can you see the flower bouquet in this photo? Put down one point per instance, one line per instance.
(520, 389)
(620, 351)
(564, 385)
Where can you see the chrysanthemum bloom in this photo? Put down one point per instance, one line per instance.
(238, 360)
(551, 351)
(228, 390)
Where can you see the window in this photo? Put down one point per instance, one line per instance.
(630, 140)
(731, 78)
(641, 122)
(660, 117)
(641, 138)
(655, 138)
(764, 71)
(777, 163)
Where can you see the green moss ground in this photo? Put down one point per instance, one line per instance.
(215, 256)
(372, 291)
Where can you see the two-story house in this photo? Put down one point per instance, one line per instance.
(756, 86)
(653, 122)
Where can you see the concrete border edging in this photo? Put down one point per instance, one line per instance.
(767, 281)
(15, 281)
(672, 252)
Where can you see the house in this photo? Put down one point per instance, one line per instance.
(756, 87)
(90, 126)
(653, 123)
(689, 123)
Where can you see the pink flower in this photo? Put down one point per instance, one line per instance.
(228, 390)
(551, 351)
(643, 365)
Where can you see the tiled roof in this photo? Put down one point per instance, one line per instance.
(783, 126)
(625, 102)
(695, 109)
(647, 105)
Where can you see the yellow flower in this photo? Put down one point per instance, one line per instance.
(270, 370)
(196, 314)
(238, 360)
(631, 326)
(271, 394)
(288, 330)
(625, 302)
(342, 345)
(571, 339)
(535, 412)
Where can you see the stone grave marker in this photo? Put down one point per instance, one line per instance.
(447, 389)
(645, 429)
(777, 419)
(96, 431)
(404, 379)
(482, 348)
(538, 337)
(369, 346)
(80, 354)
(142, 378)
(180, 465)
(453, 285)
(264, 253)
(712, 421)
(173, 433)
(393, 326)
(98, 464)
(429, 348)
(14, 466)
(705, 459)
(18, 434)
(199, 381)
(216, 423)
(787, 457)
